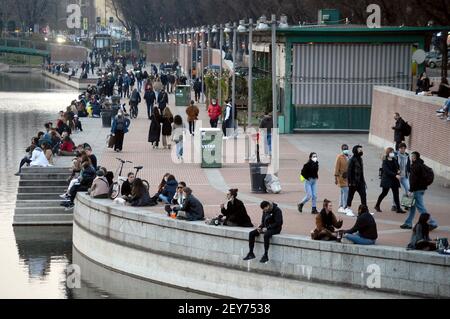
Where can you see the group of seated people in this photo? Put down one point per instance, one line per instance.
(55, 141)
(86, 176)
(364, 232)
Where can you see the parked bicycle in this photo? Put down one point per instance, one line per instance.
(116, 187)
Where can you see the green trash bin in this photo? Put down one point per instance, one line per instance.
(211, 145)
(183, 95)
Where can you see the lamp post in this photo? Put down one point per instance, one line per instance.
(242, 28)
(233, 105)
(221, 65)
(202, 34)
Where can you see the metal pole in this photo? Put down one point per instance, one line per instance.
(219, 93)
(203, 66)
(250, 73)
(233, 105)
(274, 71)
(192, 56)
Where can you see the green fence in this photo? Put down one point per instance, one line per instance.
(331, 118)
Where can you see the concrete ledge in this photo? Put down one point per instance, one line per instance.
(209, 259)
(79, 84)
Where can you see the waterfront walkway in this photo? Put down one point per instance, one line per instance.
(211, 185)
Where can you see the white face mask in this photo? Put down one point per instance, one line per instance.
(346, 152)
(392, 155)
(314, 159)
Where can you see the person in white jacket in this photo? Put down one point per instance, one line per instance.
(38, 158)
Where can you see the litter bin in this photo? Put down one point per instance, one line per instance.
(211, 146)
(258, 172)
(183, 95)
(106, 118)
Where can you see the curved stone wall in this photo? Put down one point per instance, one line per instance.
(208, 259)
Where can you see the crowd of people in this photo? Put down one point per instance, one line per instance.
(424, 86)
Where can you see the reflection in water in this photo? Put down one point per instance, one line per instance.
(32, 82)
(118, 285)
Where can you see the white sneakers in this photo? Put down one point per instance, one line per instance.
(341, 210)
(349, 212)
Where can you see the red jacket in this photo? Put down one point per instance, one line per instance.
(214, 112)
(67, 147)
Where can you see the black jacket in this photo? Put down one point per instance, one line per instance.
(356, 170)
(142, 200)
(193, 208)
(167, 126)
(398, 130)
(366, 226)
(237, 214)
(390, 171)
(310, 170)
(273, 219)
(416, 182)
(126, 188)
(267, 123)
(150, 97)
(154, 132)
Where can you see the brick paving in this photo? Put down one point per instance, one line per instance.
(210, 185)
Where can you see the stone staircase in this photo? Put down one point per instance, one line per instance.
(38, 201)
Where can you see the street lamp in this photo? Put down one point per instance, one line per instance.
(242, 28)
(229, 29)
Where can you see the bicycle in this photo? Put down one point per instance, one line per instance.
(116, 187)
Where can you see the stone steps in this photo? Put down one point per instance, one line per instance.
(43, 219)
(38, 196)
(55, 210)
(58, 190)
(46, 170)
(38, 203)
(39, 183)
(44, 176)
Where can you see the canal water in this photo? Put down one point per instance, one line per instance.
(33, 260)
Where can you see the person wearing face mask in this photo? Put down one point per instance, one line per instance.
(310, 172)
(390, 179)
(214, 112)
(399, 136)
(119, 128)
(235, 212)
(340, 176)
(355, 178)
(405, 170)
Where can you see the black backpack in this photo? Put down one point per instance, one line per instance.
(428, 175)
(406, 129)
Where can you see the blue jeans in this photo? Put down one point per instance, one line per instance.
(420, 205)
(343, 197)
(179, 146)
(404, 182)
(311, 192)
(165, 199)
(269, 143)
(358, 240)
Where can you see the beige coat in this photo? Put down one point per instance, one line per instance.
(100, 187)
(340, 171)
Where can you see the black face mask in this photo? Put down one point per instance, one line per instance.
(361, 154)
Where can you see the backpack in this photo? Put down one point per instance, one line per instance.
(428, 175)
(406, 129)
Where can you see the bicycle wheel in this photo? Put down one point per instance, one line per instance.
(146, 184)
(114, 191)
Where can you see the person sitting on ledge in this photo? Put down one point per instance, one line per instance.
(169, 190)
(100, 186)
(67, 147)
(235, 214)
(365, 230)
(420, 239)
(127, 185)
(443, 112)
(326, 223)
(192, 209)
(271, 224)
(178, 199)
(140, 196)
(161, 187)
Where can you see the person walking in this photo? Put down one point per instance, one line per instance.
(404, 163)
(214, 113)
(167, 120)
(340, 177)
(421, 178)
(119, 128)
(390, 180)
(271, 224)
(150, 98)
(135, 100)
(197, 89)
(154, 132)
(192, 115)
(310, 173)
(267, 125)
(356, 180)
(178, 135)
(163, 100)
(399, 135)
(227, 119)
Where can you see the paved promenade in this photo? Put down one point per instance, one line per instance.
(211, 185)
